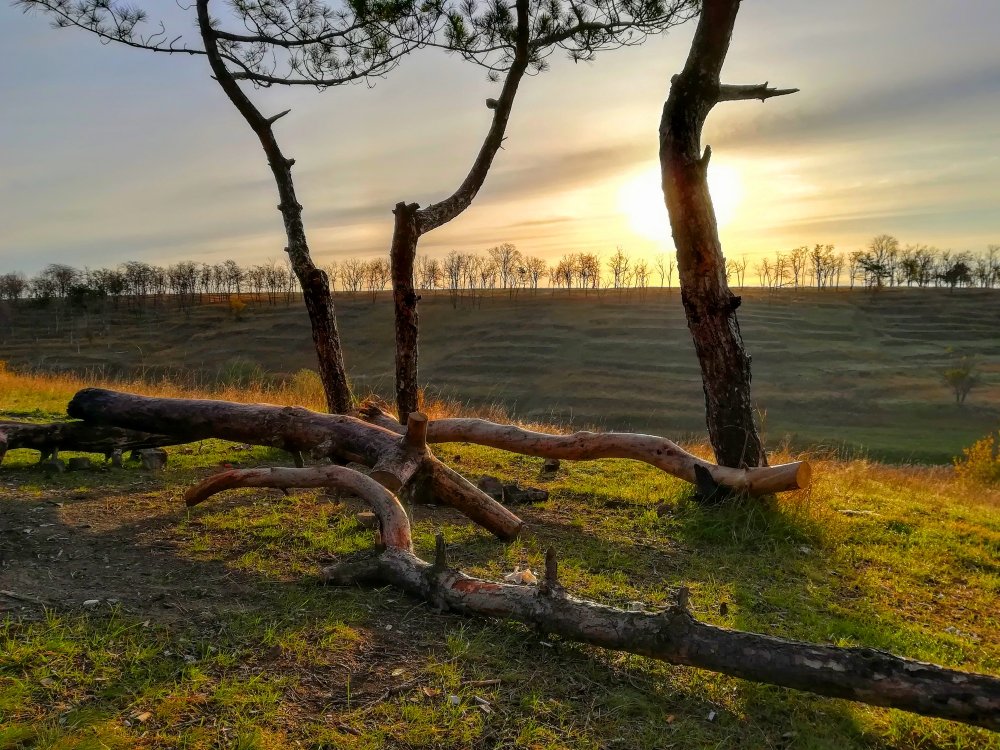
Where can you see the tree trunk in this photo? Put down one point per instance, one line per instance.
(709, 305)
(395, 460)
(314, 282)
(412, 221)
(402, 255)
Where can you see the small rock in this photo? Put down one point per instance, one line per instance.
(153, 459)
(636, 607)
(454, 700)
(367, 520)
(79, 463)
(53, 466)
(91, 602)
(550, 466)
(491, 486)
(515, 495)
(712, 715)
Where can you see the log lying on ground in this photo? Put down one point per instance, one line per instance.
(75, 436)
(584, 446)
(672, 635)
(395, 461)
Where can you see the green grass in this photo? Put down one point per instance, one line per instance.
(221, 636)
(854, 371)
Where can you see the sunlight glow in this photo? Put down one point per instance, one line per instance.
(640, 199)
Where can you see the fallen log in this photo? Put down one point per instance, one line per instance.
(584, 446)
(672, 635)
(396, 461)
(49, 438)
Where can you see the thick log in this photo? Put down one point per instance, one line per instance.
(293, 428)
(672, 635)
(675, 636)
(48, 438)
(583, 446)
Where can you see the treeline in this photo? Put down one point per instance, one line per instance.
(884, 263)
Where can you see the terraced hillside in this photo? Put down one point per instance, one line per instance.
(851, 370)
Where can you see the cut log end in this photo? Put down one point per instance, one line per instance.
(416, 430)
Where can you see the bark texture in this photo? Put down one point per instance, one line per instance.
(396, 460)
(672, 635)
(584, 446)
(314, 282)
(709, 305)
(402, 255)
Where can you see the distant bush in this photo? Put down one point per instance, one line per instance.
(980, 462)
(306, 388)
(236, 307)
(962, 377)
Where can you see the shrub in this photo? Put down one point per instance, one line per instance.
(980, 462)
(236, 307)
(306, 388)
(242, 372)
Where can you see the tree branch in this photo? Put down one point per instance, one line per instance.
(738, 92)
(585, 446)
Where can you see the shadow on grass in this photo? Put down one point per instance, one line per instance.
(222, 639)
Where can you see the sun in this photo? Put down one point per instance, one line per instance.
(640, 199)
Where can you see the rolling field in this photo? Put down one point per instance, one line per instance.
(854, 371)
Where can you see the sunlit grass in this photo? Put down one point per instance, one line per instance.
(903, 559)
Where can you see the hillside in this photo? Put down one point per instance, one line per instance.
(849, 370)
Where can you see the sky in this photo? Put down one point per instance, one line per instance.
(110, 154)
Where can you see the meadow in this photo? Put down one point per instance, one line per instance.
(858, 372)
(132, 622)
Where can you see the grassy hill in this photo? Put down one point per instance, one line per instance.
(855, 371)
(206, 628)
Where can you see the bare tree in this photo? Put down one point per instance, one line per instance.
(352, 274)
(618, 265)
(513, 40)
(277, 41)
(376, 276)
(535, 268)
(708, 303)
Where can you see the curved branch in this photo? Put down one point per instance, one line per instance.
(442, 212)
(585, 446)
(395, 527)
